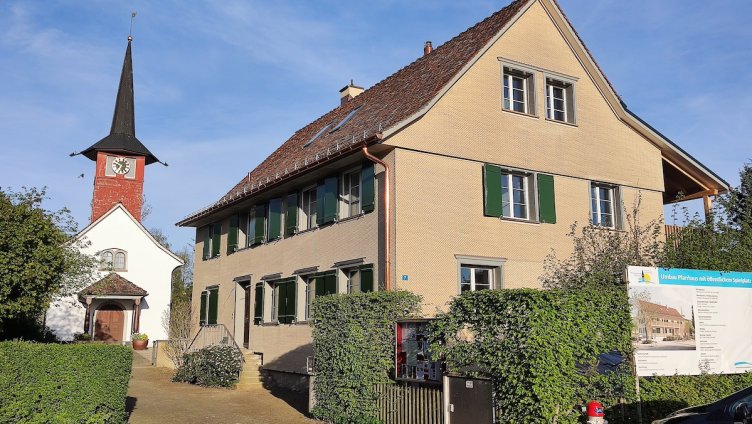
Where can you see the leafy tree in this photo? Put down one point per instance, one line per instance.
(182, 277)
(724, 241)
(600, 256)
(40, 259)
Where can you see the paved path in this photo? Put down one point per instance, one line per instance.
(153, 398)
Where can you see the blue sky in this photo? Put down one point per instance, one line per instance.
(219, 85)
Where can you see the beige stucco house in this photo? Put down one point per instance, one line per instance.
(461, 171)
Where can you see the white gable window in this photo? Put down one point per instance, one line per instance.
(519, 90)
(605, 205)
(113, 260)
(560, 100)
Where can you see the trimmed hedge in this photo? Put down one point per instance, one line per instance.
(353, 342)
(212, 366)
(538, 347)
(75, 383)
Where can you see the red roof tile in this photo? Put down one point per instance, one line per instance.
(113, 284)
(657, 309)
(387, 103)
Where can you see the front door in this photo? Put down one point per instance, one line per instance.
(108, 326)
(247, 316)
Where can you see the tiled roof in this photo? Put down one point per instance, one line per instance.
(654, 308)
(113, 284)
(382, 106)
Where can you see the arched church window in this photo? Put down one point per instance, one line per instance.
(107, 259)
(119, 260)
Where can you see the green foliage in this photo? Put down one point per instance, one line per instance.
(353, 342)
(723, 242)
(212, 366)
(54, 383)
(538, 347)
(600, 255)
(39, 258)
(139, 336)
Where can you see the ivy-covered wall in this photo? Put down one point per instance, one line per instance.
(539, 347)
(353, 343)
(55, 383)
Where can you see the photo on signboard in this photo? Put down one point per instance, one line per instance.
(663, 318)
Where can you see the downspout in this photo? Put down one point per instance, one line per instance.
(387, 219)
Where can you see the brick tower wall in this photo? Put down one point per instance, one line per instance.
(109, 191)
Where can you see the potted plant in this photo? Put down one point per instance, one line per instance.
(139, 341)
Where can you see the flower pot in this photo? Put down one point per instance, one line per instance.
(140, 344)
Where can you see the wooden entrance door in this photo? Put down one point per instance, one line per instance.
(247, 316)
(108, 326)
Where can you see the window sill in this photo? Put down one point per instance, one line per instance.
(518, 220)
(529, 115)
(308, 322)
(569, 124)
(351, 218)
(212, 257)
(269, 324)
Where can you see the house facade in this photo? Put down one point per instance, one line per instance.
(461, 171)
(658, 322)
(133, 284)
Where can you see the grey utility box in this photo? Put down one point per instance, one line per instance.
(467, 400)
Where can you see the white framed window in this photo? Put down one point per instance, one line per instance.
(604, 205)
(107, 260)
(119, 260)
(560, 100)
(352, 279)
(515, 195)
(308, 209)
(310, 294)
(250, 228)
(519, 90)
(350, 194)
(479, 273)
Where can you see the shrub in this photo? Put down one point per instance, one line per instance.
(140, 336)
(353, 343)
(538, 347)
(72, 383)
(212, 366)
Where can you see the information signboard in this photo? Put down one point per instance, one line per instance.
(688, 321)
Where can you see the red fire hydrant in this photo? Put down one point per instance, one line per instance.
(595, 413)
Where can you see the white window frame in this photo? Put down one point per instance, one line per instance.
(345, 195)
(304, 217)
(529, 189)
(496, 265)
(511, 71)
(567, 85)
(348, 280)
(595, 209)
(250, 233)
(111, 265)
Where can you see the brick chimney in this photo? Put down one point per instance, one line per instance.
(349, 92)
(427, 48)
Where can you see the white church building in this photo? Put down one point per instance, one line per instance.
(133, 283)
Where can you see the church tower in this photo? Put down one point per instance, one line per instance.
(120, 157)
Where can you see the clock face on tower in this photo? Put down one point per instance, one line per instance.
(121, 166)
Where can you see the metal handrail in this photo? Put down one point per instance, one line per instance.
(213, 334)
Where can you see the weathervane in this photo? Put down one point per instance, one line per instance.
(130, 31)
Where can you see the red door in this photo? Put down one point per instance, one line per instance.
(108, 326)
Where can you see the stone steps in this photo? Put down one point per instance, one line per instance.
(250, 375)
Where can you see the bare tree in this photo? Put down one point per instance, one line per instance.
(178, 324)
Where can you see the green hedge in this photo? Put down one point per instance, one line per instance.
(538, 347)
(353, 342)
(55, 383)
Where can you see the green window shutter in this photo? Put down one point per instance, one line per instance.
(546, 199)
(213, 305)
(367, 187)
(291, 218)
(232, 235)
(260, 224)
(258, 305)
(320, 285)
(491, 190)
(366, 280)
(320, 199)
(286, 302)
(326, 284)
(331, 283)
(202, 315)
(216, 238)
(207, 242)
(275, 218)
(330, 199)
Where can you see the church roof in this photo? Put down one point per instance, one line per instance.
(122, 138)
(113, 284)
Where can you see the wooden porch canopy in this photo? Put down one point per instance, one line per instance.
(113, 286)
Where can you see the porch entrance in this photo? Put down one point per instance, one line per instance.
(108, 325)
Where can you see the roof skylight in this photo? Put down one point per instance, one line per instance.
(344, 121)
(318, 134)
